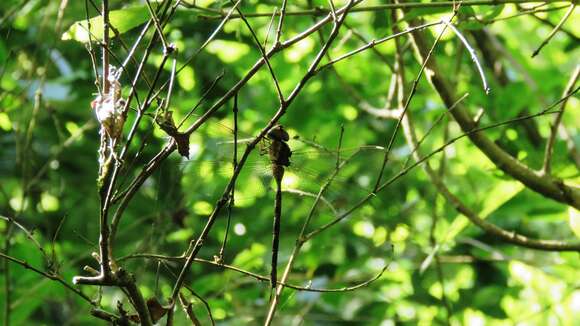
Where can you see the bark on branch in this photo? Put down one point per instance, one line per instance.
(548, 186)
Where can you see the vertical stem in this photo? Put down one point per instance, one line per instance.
(105, 45)
(339, 146)
(139, 303)
(103, 223)
(547, 166)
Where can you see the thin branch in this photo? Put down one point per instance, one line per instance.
(568, 33)
(280, 23)
(211, 37)
(550, 187)
(511, 237)
(127, 281)
(362, 38)
(258, 276)
(188, 309)
(556, 28)
(530, 12)
(432, 127)
(264, 56)
(27, 233)
(119, 37)
(105, 315)
(440, 149)
(303, 193)
(374, 43)
(281, 111)
(200, 298)
(471, 53)
(215, 14)
(547, 166)
(202, 100)
(157, 25)
(105, 46)
(406, 106)
(50, 276)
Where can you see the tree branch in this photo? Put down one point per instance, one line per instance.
(547, 167)
(548, 186)
(320, 11)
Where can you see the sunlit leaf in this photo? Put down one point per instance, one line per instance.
(122, 20)
(228, 51)
(574, 220)
(499, 195)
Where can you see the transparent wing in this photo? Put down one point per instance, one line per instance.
(312, 166)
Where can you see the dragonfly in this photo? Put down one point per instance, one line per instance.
(279, 153)
(281, 157)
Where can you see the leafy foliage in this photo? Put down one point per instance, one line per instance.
(441, 268)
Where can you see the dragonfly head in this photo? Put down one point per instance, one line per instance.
(278, 133)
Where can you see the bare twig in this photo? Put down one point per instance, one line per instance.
(382, 7)
(264, 55)
(158, 27)
(556, 28)
(281, 111)
(127, 281)
(510, 237)
(258, 276)
(404, 109)
(188, 309)
(471, 53)
(280, 23)
(433, 125)
(547, 166)
(50, 276)
(568, 33)
(27, 233)
(374, 43)
(550, 187)
(405, 171)
(211, 37)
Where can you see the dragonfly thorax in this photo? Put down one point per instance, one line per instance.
(279, 151)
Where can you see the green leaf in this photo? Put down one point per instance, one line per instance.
(496, 11)
(228, 51)
(574, 220)
(467, 11)
(499, 195)
(481, 301)
(472, 25)
(122, 20)
(251, 258)
(186, 79)
(422, 12)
